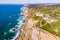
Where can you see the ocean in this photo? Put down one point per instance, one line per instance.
(10, 20)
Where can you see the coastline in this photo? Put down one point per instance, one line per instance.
(20, 23)
(43, 34)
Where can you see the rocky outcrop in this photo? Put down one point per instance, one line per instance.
(29, 31)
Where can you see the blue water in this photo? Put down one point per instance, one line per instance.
(9, 13)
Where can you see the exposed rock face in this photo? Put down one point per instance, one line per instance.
(29, 31)
(35, 34)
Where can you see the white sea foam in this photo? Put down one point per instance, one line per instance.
(20, 23)
(12, 30)
(16, 35)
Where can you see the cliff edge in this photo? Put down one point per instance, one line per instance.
(42, 23)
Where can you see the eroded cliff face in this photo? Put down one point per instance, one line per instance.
(36, 21)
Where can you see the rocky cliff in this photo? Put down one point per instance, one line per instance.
(42, 23)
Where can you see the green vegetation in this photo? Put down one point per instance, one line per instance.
(52, 29)
(36, 17)
(54, 12)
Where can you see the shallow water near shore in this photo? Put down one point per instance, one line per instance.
(9, 19)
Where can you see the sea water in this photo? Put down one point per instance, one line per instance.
(10, 20)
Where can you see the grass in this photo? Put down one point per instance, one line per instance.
(54, 27)
(51, 29)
